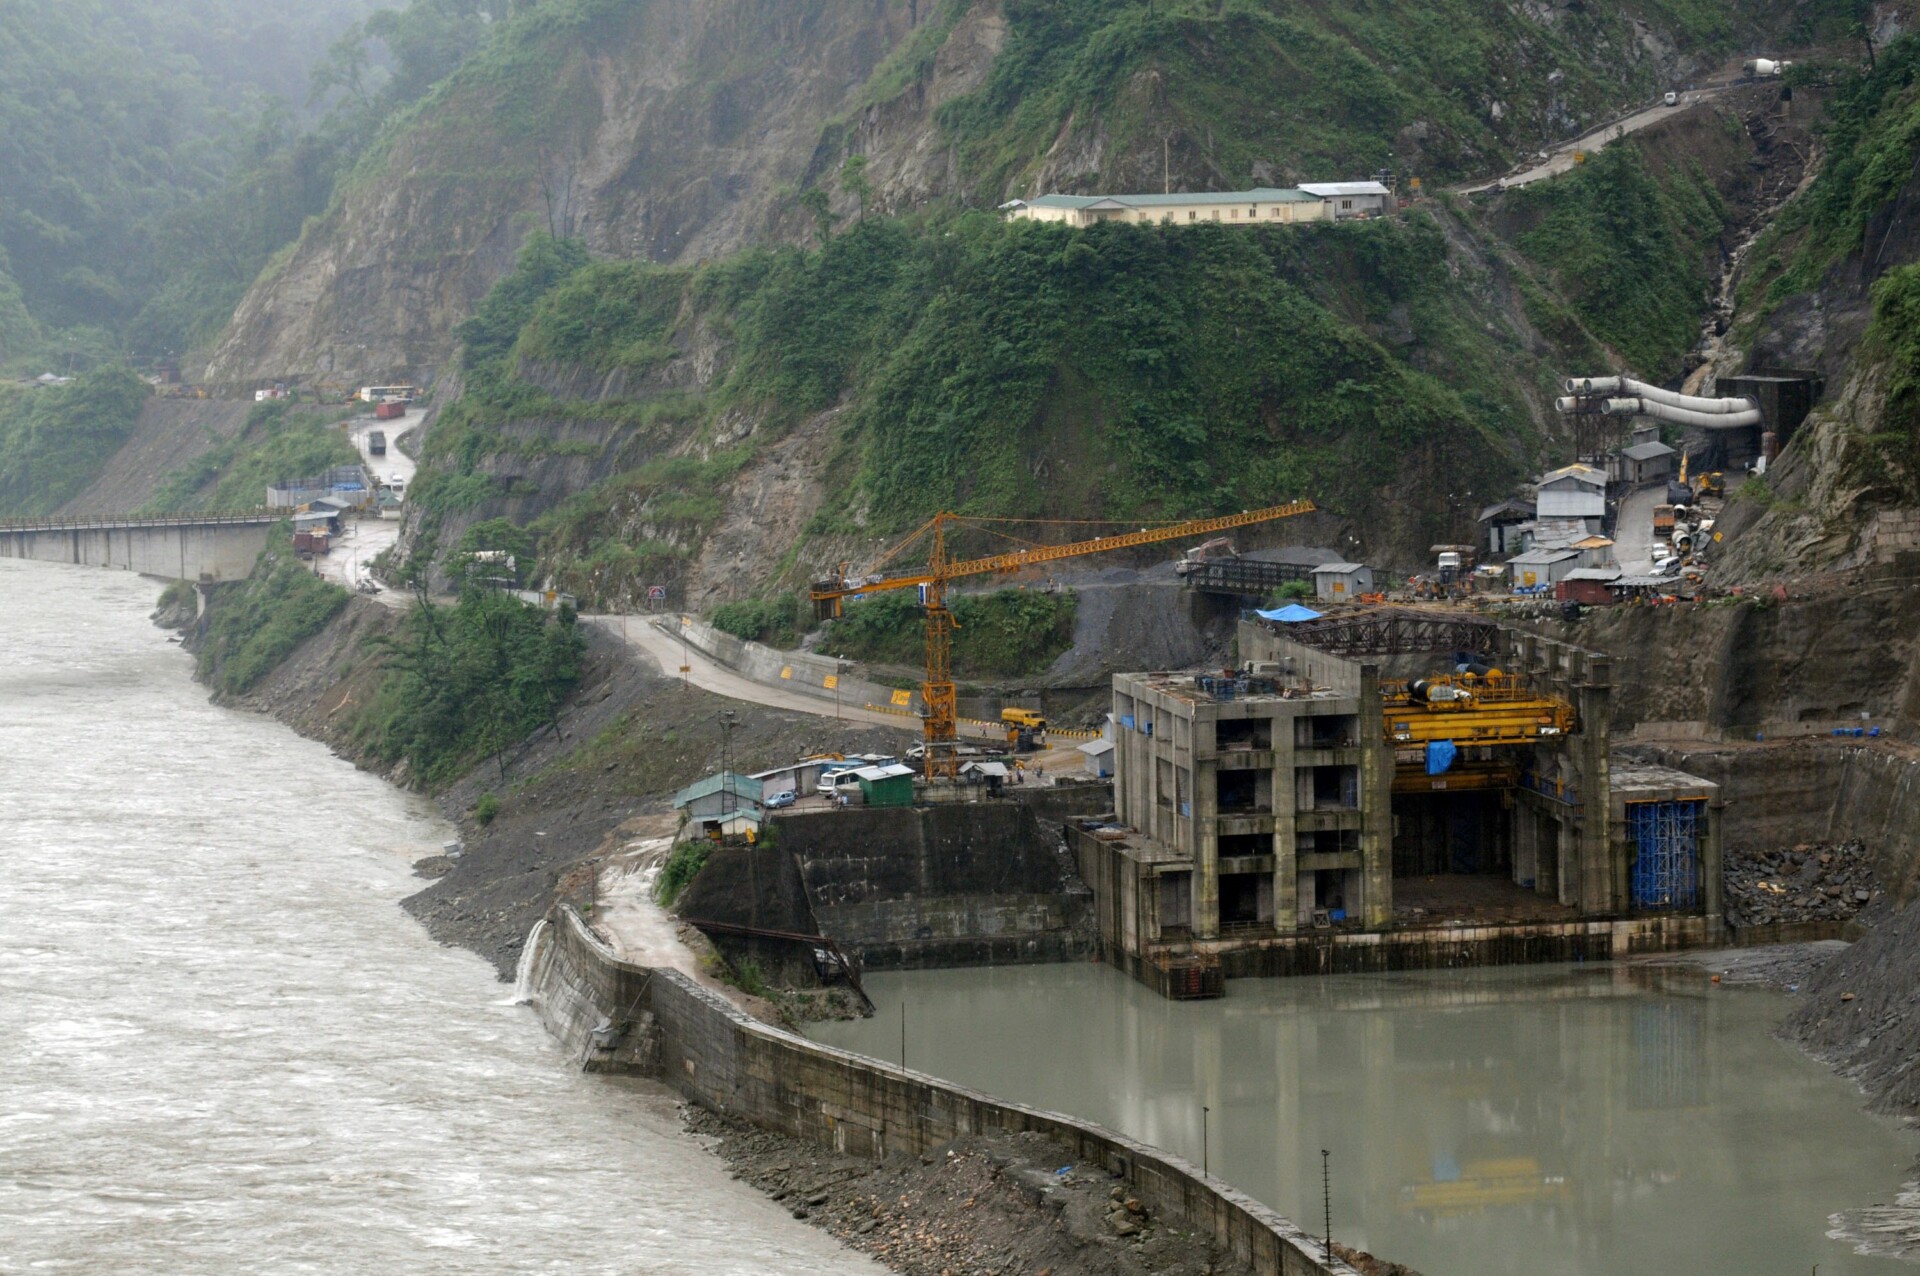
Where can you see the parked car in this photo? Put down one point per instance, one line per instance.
(785, 797)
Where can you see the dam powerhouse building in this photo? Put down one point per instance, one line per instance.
(1387, 789)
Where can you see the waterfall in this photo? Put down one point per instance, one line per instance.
(523, 973)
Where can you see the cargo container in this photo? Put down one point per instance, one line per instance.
(392, 410)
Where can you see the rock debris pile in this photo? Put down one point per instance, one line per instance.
(979, 1206)
(1813, 881)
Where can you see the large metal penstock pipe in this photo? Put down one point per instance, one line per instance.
(1627, 386)
(1683, 416)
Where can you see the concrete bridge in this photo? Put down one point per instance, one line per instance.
(209, 548)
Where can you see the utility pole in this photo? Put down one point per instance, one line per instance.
(1204, 1110)
(727, 723)
(1326, 1199)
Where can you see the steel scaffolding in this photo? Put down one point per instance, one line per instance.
(1666, 862)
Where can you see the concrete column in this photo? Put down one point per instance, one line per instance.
(1589, 757)
(1376, 804)
(1712, 854)
(1286, 831)
(1206, 847)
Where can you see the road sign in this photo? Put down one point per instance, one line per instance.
(656, 593)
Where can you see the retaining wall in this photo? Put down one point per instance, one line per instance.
(719, 1057)
(799, 670)
(1821, 791)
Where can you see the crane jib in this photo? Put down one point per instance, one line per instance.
(996, 564)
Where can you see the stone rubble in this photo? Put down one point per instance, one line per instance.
(1813, 881)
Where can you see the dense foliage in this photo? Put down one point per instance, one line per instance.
(1895, 340)
(778, 621)
(256, 627)
(1628, 248)
(1313, 92)
(1872, 144)
(54, 439)
(278, 441)
(116, 120)
(682, 866)
(1000, 369)
(466, 682)
(1012, 631)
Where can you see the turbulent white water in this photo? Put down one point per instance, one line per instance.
(223, 1049)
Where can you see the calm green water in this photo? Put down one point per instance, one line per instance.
(1583, 1119)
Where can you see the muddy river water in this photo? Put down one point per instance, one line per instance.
(1589, 1120)
(223, 1048)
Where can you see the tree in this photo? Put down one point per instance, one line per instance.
(815, 201)
(854, 180)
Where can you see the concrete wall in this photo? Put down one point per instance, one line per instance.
(715, 1055)
(1816, 792)
(796, 669)
(209, 552)
(968, 884)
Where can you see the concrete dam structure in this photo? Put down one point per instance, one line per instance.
(207, 548)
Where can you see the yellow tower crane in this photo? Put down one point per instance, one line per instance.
(942, 725)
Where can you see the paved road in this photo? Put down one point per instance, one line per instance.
(1560, 158)
(351, 559)
(1633, 539)
(710, 675)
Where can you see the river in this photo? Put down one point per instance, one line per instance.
(224, 1049)
(1585, 1121)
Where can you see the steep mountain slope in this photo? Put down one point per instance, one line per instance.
(114, 116)
(674, 131)
(1834, 287)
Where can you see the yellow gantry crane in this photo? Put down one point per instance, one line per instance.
(942, 725)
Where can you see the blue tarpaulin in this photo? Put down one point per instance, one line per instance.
(1440, 756)
(1291, 614)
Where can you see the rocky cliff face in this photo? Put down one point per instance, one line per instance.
(676, 130)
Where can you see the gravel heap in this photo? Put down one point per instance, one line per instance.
(1814, 881)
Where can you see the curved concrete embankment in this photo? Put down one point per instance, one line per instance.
(618, 1017)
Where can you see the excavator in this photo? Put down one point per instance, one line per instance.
(942, 724)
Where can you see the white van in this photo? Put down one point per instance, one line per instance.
(834, 783)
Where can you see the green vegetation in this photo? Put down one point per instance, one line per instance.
(1629, 248)
(1872, 142)
(682, 866)
(53, 440)
(1894, 338)
(258, 625)
(486, 809)
(278, 441)
(1012, 631)
(120, 122)
(1185, 371)
(1240, 73)
(778, 621)
(466, 682)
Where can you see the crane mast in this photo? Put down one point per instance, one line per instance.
(942, 723)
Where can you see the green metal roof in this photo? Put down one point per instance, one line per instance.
(1258, 195)
(742, 786)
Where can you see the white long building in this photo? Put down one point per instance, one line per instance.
(1261, 206)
